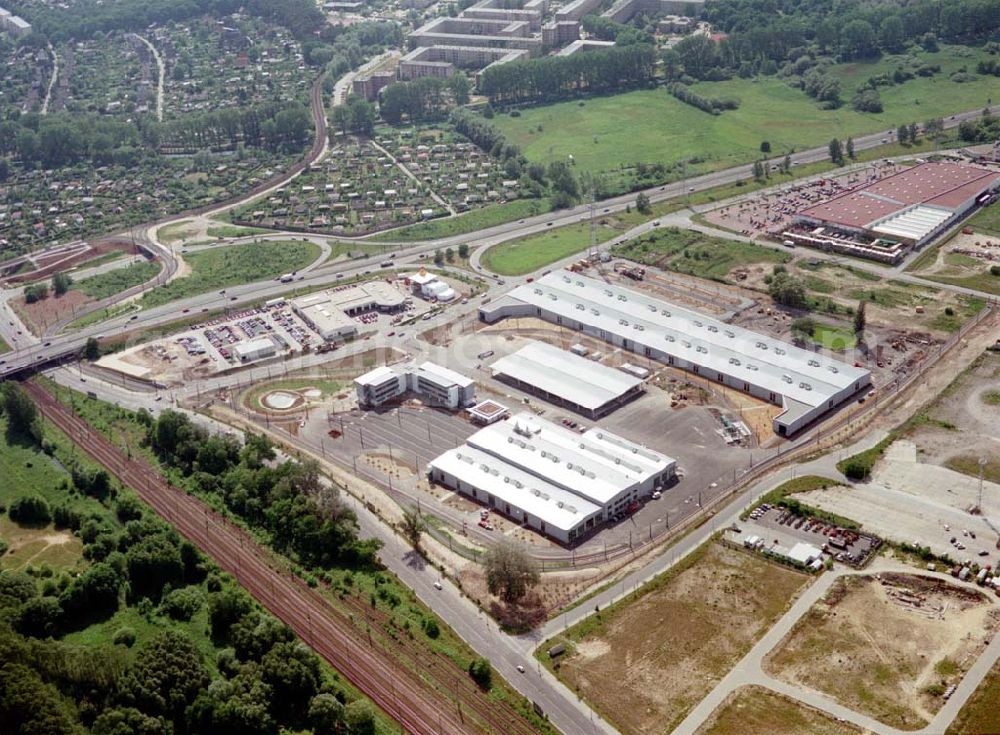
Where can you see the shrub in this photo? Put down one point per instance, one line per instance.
(182, 604)
(481, 672)
(431, 628)
(30, 510)
(995, 270)
(124, 637)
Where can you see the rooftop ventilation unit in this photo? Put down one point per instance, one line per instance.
(730, 333)
(559, 504)
(778, 351)
(702, 348)
(712, 328)
(734, 361)
(697, 323)
(834, 369)
(752, 367)
(536, 492)
(665, 312)
(595, 312)
(538, 291)
(814, 363)
(669, 338)
(805, 386)
(608, 292)
(787, 378)
(570, 509)
(567, 279)
(581, 307)
(581, 284)
(652, 307)
(622, 297)
(762, 345)
(686, 343)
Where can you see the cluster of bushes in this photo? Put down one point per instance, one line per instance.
(711, 105)
(990, 66)
(483, 133)
(424, 99)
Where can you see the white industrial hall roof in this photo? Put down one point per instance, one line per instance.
(561, 373)
(554, 505)
(800, 375)
(914, 223)
(596, 465)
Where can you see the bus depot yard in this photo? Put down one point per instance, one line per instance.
(889, 645)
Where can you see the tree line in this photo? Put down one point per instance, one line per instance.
(283, 126)
(711, 105)
(483, 133)
(760, 36)
(423, 100)
(554, 77)
(88, 18)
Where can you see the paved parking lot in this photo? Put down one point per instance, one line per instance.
(776, 525)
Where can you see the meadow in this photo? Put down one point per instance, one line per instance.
(235, 265)
(610, 133)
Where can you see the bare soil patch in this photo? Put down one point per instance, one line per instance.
(960, 426)
(757, 711)
(38, 546)
(647, 663)
(887, 645)
(40, 315)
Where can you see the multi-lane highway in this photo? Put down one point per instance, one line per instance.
(60, 346)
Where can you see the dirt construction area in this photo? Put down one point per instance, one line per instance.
(926, 484)
(887, 645)
(645, 664)
(757, 711)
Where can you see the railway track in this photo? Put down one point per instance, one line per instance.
(397, 690)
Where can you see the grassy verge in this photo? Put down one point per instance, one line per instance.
(980, 714)
(834, 338)
(96, 317)
(4, 347)
(108, 257)
(224, 231)
(477, 219)
(859, 466)
(115, 281)
(326, 387)
(781, 495)
(234, 265)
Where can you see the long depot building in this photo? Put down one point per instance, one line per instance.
(551, 478)
(806, 384)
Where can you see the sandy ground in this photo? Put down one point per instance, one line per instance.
(876, 643)
(653, 660)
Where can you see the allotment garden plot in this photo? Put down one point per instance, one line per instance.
(888, 645)
(365, 186)
(645, 663)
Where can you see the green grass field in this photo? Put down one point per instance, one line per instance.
(4, 347)
(517, 257)
(695, 253)
(608, 133)
(477, 219)
(234, 231)
(115, 281)
(834, 338)
(233, 265)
